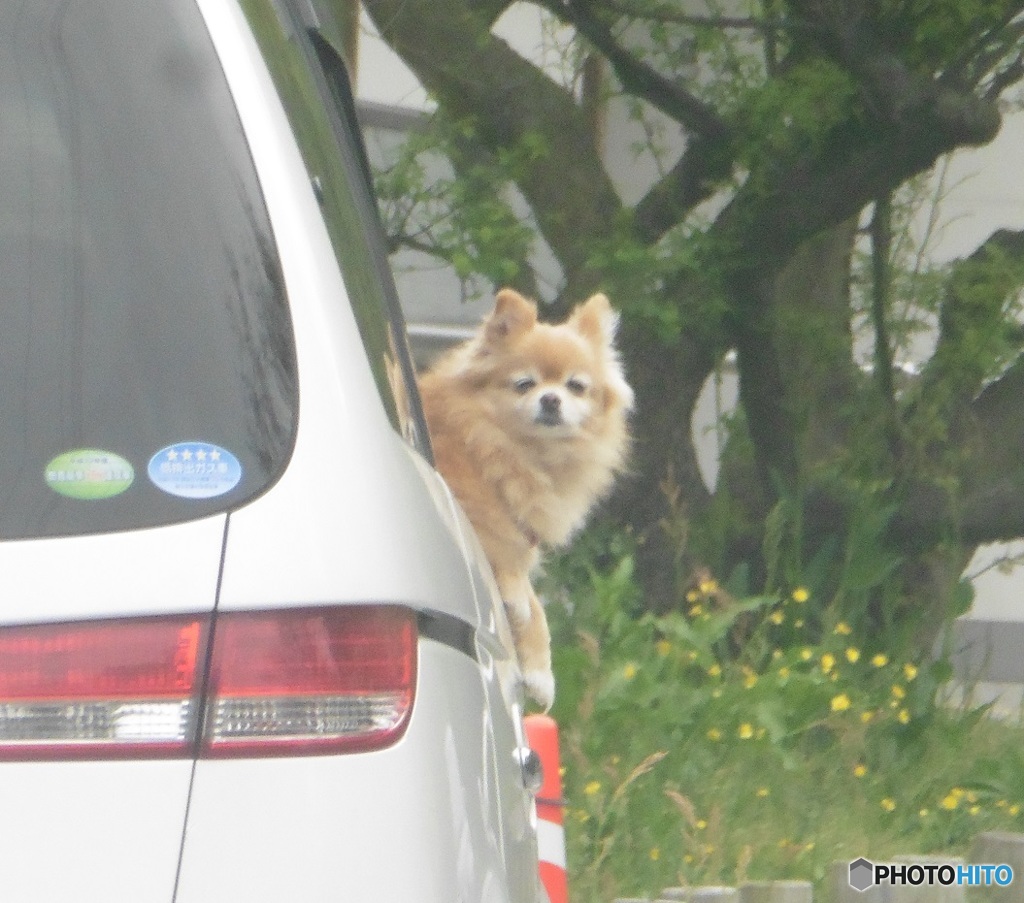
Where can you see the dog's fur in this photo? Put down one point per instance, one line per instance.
(528, 422)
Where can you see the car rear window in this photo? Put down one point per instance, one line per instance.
(147, 369)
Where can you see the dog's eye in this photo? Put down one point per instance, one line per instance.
(576, 386)
(524, 384)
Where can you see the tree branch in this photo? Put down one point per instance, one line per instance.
(636, 76)
(477, 76)
(972, 319)
(698, 173)
(666, 13)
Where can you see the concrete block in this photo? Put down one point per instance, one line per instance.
(707, 894)
(999, 848)
(776, 892)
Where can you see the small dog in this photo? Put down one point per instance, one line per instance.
(528, 422)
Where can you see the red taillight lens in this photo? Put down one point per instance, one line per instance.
(284, 682)
(311, 681)
(112, 688)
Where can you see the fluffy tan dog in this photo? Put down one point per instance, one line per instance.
(529, 426)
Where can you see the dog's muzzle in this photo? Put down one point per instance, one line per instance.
(550, 413)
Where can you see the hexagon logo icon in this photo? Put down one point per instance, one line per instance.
(862, 874)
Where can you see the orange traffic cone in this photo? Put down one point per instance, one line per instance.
(542, 732)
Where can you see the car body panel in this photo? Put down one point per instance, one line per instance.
(366, 826)
(92, 832)
(352, 535)
(163, 570)
(356, 517)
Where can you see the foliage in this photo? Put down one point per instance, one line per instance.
(729, 741)
(439, 197)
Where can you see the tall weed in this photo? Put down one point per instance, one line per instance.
(727, 740)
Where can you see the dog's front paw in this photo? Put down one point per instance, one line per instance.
(541, 687)
(518, 608)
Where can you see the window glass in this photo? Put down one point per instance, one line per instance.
(147, 367)
(307, 78)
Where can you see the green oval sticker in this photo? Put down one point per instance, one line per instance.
(89, 473)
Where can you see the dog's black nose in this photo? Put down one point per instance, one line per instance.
(550, 403)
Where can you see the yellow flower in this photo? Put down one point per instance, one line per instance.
(898, 692)
(950, 801)
(840, 703)
(798, 623)
(655, 854)
(974, 810)
(866, 717)
(664, 647)
(888, 804)
(750, 681)
(880, 660)
(806, 654)
(692, 596)
(903, 717)
(852, 655)
(695, 611)
(801, 595)
(629, 672)
(776, 617)
(776, 654)
(1014, 809)
(592, 788)
(708, 587)
(715, 670)
(828, 662)
(746, 731)
(910, 671)
(762, 792)
(923, 813)
(700, 824)
(714, 734)
(783, 672)
(859, 770)
(843, 629)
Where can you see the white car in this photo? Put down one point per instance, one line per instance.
(248, 650)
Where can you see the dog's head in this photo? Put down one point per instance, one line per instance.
(551, 381)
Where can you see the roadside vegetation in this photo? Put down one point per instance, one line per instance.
(752, 737)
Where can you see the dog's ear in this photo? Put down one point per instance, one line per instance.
(596, 320)
(512, 316)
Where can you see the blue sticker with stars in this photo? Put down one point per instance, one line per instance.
(195, 470)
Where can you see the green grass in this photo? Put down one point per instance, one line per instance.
(719, 743)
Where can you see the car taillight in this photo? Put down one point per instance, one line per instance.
(283, 682)
(112, 688)
(311, 681)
